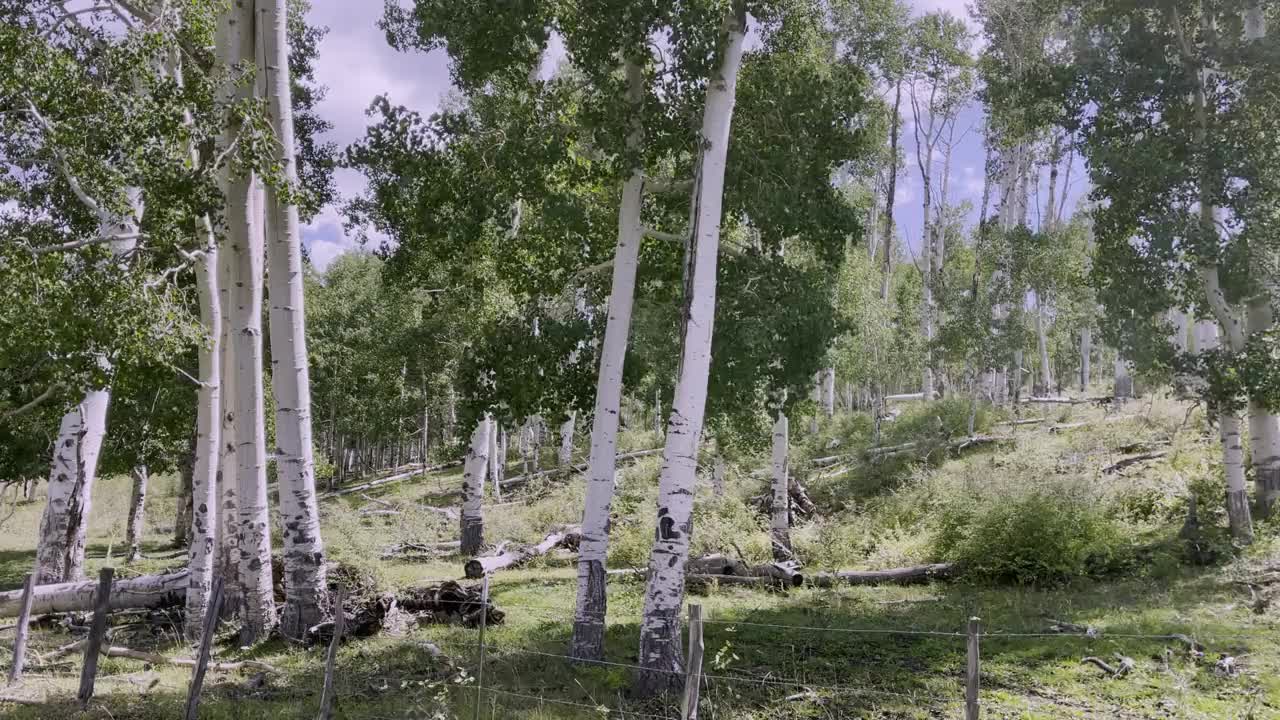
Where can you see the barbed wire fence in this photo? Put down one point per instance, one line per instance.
(965, 697)
(969, 637)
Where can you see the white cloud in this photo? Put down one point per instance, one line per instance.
(356, 64)
(971, 180)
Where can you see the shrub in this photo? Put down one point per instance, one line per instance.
(1038, 537)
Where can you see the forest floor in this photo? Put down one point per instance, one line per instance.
(807, 653)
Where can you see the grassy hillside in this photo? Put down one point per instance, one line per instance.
(1044, 534)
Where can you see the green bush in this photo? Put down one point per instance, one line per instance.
(1039, 537)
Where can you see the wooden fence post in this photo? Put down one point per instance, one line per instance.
(693, 665)
(972, 671)
(211, 613)
(20, 630)
(339, 626)
(484, 618)
(97, 629)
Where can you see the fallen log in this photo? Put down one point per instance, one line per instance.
(977, 440)
(904, 396)
(787, 573)
(409, 548)
(1086, 423)
(891, 449)
(446, 513)
(145, 591)
(519, 480)
(1126, 462)
(717, 564)
(364, 487)
(520, 554)
(443, 603)
(895, 576)
(800, 497)
(830, 460)
(1100, 400)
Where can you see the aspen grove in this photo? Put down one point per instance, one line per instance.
(572, 358)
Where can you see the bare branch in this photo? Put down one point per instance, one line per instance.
(62, 164)
(659, 235)
(77, 244)
(36, 402)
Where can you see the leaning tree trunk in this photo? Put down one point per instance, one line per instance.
(64, 525)
(137, 512)
(780, 524)
(472, 517)
(304, 558)
(591, 604)
(565, 458)
(895, 131)
(75, 460)
(660, 651)
(254, 532)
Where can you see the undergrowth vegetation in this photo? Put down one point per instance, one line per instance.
(1041, 530)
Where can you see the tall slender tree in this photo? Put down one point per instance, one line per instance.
(304, 558)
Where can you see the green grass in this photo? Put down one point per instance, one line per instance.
(757, 643)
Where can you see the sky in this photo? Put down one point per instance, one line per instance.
(356, 64)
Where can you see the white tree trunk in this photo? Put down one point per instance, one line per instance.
(137, 512)
(1123, 380)
(1086, 348)
(500, 469)
(1178, 334)
(304, 558)
(660, 647)
(1233, 464)
(829, 391)
(227, 560)
(565, 457)
(254, 531)
(496, 460)
(202, 547)
(1238, 515)
(1015, 376)
(780, 517)
(591, 604)
(59, 556)
(1042, 345)
(473, 476)
(1264, 426)
(64, 525)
